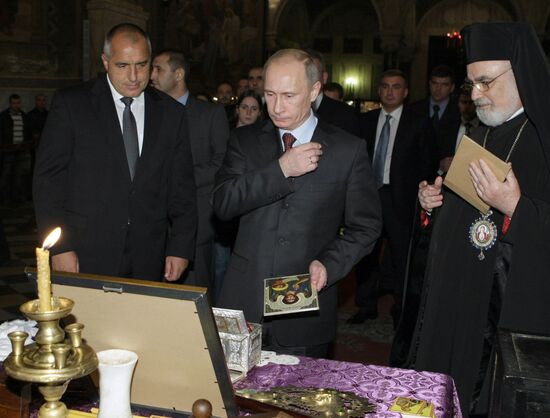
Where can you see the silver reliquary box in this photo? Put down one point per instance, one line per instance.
(241, 341)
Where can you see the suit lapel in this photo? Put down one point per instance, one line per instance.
(151, 129)
(102, 103)
(402, 128)
(320, 136)
(269, 142)
(371, 133)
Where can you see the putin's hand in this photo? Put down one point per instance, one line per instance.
(318, 274)
(301, 159)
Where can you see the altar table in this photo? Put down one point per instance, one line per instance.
(381, 385)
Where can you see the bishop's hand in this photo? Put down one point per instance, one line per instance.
(430, 195)
(503, 196)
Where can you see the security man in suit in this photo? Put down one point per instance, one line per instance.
(292, 205)
(401, 155)
(114, 170)
(208, 133)
(439, 112)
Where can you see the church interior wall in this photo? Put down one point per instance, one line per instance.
(46, 45)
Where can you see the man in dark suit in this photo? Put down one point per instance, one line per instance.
(401, 155)
(208, 134)
(467, 123)
(256, 80)
(439, 111)
(293, 204)
(114, 170)
(330, 110)
(15, 143)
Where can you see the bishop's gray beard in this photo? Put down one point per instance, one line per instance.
(491, 117)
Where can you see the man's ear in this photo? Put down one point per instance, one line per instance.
(180, 74)
(315, 89)
(105, 61)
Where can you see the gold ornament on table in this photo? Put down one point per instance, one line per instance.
(57, 356)
(312, 402)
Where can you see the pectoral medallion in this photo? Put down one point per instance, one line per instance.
(483, 234)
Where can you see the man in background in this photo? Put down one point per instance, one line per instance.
(208, 134)
(334, 91)
(466, 125)
(256, 80)
(37, 116)
(15, 140)
(225, 97)
(401, 157)
(333, 111)
(114, 171)
(440, 112)
(242, 86)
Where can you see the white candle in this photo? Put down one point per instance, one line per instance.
(43, 268)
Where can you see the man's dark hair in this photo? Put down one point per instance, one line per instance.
(176, 59)
(394, 72)
(250, 93)
(14, 97)
(443, 71)
(465, 92)
(261, 67)
(224, 82)
(134, 32)
(332, 86)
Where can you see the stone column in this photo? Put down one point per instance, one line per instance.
(103, 15)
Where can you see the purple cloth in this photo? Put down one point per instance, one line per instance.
(381, 385)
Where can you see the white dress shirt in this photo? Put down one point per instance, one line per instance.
(302, 133)
(138, 109)
(394, 123)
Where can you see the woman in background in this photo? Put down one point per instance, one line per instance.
(248, 109)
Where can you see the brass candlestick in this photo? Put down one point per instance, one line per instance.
(53, 360)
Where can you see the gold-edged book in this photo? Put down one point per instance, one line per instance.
(410, 407)
(458, 178)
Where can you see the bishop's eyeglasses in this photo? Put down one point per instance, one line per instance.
(482, 86)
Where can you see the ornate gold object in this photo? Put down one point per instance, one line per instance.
(313, 402)
(53, 360)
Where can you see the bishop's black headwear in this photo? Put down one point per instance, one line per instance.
(518, 43)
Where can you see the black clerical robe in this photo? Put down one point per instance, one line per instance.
(460, 290)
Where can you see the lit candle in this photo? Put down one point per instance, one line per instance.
(43, 268)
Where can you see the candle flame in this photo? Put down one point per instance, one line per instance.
(51, 239)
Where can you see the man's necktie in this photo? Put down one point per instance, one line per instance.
(288, 140)
(435, 117)
(130, 136)
(380, 154)
(467, 128)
